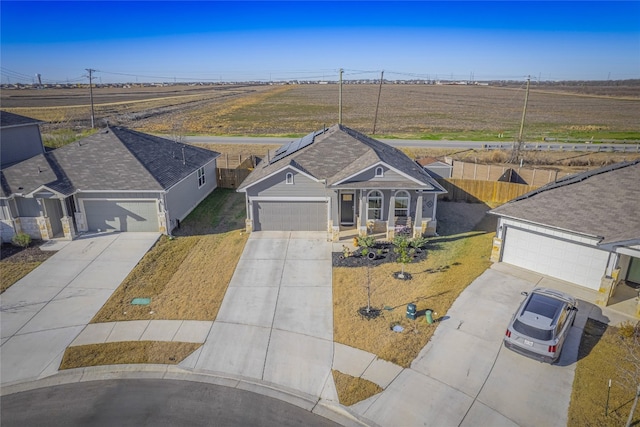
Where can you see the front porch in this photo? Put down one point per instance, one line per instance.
(363, 212)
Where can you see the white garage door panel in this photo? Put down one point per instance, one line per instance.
(290, 216)
(121, 215)
(556, 258)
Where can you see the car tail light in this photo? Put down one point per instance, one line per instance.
(552, 348)
(508, 333)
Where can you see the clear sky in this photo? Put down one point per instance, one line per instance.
(238, 41)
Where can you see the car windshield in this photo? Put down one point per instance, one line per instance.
(532, 331)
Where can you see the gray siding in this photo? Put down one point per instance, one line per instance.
(27, 207)
(118, 195)
(275, 186)
(5, 212)
(20, 143)
(439, 171)
(183, 197)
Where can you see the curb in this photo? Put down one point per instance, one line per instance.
(325, 408)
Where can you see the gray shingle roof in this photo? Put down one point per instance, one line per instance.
(114, 159)
(9, 119)
(341, 152)
(604, 203)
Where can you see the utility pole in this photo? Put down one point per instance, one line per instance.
(375, 119)
(90, 70)
(340, 99)
(517, 146)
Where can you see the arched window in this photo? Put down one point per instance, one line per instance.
(379, 172)
(289, 178)
(402, 203)
(374, 205)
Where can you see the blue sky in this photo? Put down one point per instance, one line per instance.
(237, 41)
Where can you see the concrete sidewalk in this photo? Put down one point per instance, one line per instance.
(276, 320)
(42, 313)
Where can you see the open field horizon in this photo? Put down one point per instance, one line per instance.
(411, 111)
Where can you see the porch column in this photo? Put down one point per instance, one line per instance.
(44, 225)
(67, 222)
(418, 226)
(391, 219)
(362, 218)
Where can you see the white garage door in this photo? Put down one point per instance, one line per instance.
(290, 216)
(556, 258)
(121, 215)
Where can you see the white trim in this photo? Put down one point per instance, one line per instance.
(395, 195)
(244, 189)
(378, 175)
(288, 178)
(429, 186)
(42, 188)
(288, 199)
(203, 176)
(381, 204)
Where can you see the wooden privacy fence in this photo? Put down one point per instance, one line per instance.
(235, 171)
(475, 171)
(467, 190)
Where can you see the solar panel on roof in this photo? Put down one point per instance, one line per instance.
(295, 145)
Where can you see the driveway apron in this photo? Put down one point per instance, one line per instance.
(465, 377)
(44, 311)
(276, 320)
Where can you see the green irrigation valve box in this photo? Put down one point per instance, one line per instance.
(411, 311)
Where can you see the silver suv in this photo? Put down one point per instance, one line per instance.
(540, 326)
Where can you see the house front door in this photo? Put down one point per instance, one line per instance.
(347, 208)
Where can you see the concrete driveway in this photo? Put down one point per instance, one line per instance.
(276, 320)
(42, 313)
(465, 377)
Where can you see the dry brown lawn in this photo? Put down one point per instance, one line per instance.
(453, 261)
(601, 358)
(352, 390)
(187, 276)
(118, 353)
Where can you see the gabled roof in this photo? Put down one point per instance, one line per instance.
(9, 120)
(604, 203)
(114, 159)
(340, 152)
(426, 161)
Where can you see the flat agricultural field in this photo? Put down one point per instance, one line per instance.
(404, 110)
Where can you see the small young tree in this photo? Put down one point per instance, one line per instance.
(401, 247)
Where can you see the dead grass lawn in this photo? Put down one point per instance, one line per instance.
(352, 390)
(453, 262)
(187, 276)
(600, 359)
(118, 353)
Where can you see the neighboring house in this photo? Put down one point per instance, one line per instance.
(338, 178)
(115, 180)
(436, 168)
(583, 229)
(19, 138)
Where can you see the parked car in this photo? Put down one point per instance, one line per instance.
(540, 326)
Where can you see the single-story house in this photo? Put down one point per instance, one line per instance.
(114, 180)
(339, 178)
(436, 168)
(583, 229)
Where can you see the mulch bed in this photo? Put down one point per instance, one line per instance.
(32, 253)
(384, 254)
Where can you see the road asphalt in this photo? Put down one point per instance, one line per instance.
(274, 335)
